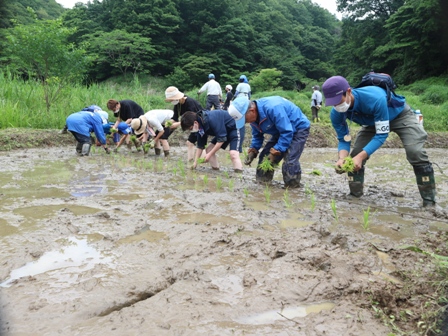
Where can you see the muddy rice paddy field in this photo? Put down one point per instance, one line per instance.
(129, 245)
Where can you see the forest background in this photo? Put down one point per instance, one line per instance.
(54, 61)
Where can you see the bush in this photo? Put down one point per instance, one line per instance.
(435, 94)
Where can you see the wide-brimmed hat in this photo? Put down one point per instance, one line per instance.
(173, 93)
(139, 124)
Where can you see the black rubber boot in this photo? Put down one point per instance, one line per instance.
(166, 153)
(356, 182)
(158, 151)
(292, 182)
(426, 184)
(79, 148)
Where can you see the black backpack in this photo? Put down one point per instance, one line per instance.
(384, 81)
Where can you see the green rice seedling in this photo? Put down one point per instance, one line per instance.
(287, 199)
(348, 166)
(226, 174)
(149, 165)
(231, 185)
(113, 130)
(266, 165)
(133, 138)
(308, 191)
(246, 192)
(365, 219)
(159, 164)
(174, 171)
(168, 123)
(218, 183)
(201, 160)
(316, 172)
(205, 179)
(313, 201)
(267, 194)
(333, 208)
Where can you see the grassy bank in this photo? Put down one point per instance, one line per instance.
(23, 106)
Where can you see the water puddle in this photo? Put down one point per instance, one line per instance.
(295, 221)
(6, 229)
(45, 211)
(74, 256)
(288, 313)
(88, 185)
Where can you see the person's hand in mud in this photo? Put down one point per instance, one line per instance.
(252, 153)
(194, 165)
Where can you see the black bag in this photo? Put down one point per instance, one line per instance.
(382, 80)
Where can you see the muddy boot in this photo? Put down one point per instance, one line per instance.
(64, 130)
(238, 171)
(85, 149)
(78, 148)
(426, 184)
(264, 177)
(292, 182)
(129, 146)
(166, 153)
(356, 182)
(158, 151)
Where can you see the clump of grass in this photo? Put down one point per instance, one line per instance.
(267, 194)
(333, 208)
(316, 172)
(348, 166)
(366, 221)
(266, 165)
(287, 199)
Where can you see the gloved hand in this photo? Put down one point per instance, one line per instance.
(273, 155)
(318, 107)
(252, 153)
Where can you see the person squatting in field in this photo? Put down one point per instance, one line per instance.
(369, 106)
(220, 125)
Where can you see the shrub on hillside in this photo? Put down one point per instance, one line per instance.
(435, 94)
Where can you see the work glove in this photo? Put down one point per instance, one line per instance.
(273, 155)
(318, 107)
(252, 153)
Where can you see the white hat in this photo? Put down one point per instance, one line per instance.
(173, 93)
(229, 87)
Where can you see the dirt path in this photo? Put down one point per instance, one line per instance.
(120, 245)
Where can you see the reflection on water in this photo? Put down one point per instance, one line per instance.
(72, 258)
(88, 185)
(288, 313)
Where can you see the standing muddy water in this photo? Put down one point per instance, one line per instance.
(121, 245)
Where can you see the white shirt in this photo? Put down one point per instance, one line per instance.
(243, 89)
(158, 117)
(213, 88)
(318, 96)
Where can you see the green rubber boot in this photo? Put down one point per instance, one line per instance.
(427, 188)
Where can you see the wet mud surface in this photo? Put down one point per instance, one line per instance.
(126, 245)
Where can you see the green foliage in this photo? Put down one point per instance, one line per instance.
(435, 95)
(348, 166)
(40, 51)
(266, 80)
(266, 165)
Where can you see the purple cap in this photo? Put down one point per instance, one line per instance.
(333, 89)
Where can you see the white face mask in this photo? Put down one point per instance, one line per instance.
(174, 102)
(343, 107)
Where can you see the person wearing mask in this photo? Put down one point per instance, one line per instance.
(243, 88)
(369, 106)
(214, 92)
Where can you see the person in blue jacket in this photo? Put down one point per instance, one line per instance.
(220, 125)
(368, 106)
(289, 129)
(81, 124)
